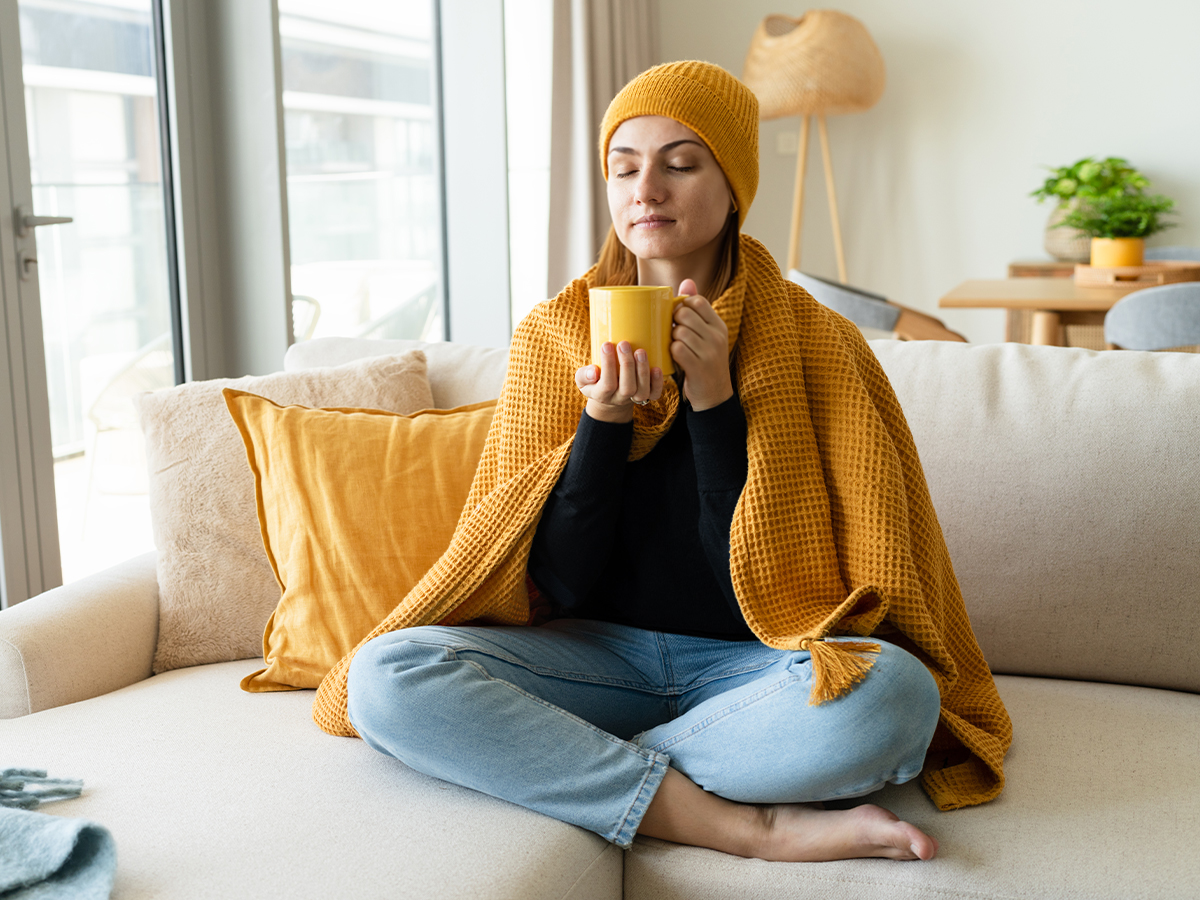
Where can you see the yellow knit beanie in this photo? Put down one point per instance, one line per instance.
(708, 100)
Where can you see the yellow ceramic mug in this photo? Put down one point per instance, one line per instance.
(640, 314)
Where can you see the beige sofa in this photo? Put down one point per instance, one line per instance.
(1068, 487)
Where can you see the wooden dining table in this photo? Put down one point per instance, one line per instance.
(1054, 302)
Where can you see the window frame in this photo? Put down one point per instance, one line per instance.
(228, 155)
(225, 149)
(29, 552)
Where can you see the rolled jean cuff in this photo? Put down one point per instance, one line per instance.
(633, 816)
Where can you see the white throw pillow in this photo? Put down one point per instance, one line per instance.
(216, 588)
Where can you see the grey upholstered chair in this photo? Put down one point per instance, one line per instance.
(1157, 318)
(876, 314)
(863, 308)
(1188, 253)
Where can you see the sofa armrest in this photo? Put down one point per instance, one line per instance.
(79, 641)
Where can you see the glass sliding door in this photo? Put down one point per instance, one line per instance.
(364, 196)
(91, 108)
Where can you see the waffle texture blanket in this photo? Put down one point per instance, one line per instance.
(834, 532)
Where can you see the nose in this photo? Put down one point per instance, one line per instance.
(650, 187)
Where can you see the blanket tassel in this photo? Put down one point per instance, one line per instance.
(30, 788)
(837, 666)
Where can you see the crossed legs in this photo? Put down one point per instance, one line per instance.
(623, 731)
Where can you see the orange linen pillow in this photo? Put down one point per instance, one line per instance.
(355, 505)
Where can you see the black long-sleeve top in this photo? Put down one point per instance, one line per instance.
(646, 543)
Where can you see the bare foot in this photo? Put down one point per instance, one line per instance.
(795, 832)
(801, 832)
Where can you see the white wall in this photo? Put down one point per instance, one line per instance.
(933, 182)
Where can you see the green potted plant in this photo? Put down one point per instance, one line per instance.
(1086, 179)
(1119, 225)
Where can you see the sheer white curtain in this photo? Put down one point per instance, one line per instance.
(599, 45)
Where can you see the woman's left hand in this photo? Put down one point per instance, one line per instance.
(700, 346)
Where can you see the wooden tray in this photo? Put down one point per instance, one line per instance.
(1166, 271)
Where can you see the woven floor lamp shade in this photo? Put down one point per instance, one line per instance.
(823, 63)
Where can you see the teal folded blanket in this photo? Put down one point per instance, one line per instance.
(49, 857)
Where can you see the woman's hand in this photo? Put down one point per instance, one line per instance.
(700, 346)
(623, 378)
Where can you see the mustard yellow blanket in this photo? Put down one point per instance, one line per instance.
(834, 533)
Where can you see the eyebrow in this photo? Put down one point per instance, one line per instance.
(665, 148)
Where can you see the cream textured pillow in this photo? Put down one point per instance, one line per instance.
(216, 587)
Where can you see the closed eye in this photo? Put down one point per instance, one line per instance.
(671, 168)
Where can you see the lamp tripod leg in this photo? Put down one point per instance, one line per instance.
(833, 212)
(798, 196)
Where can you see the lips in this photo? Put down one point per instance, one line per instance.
(654, 220)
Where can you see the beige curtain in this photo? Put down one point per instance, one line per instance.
(599, 45)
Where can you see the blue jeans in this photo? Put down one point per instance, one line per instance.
(579, 719)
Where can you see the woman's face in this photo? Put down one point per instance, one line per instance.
(667, 195)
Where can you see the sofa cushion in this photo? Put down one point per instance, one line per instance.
(211, 792)
(459, 374)
(1067, 484)
(216, 587)
(355, 506)
(1100, 804)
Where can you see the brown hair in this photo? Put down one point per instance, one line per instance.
(618, 265)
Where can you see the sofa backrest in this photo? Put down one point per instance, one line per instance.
(1067, 484)
(458, 373)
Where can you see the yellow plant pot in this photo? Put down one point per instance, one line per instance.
(1109, 253)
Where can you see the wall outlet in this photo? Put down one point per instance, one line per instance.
(787, 143)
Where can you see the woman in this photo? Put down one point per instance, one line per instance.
(710, 552)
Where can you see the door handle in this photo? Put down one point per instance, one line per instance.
(26, 264)
(26, 221)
